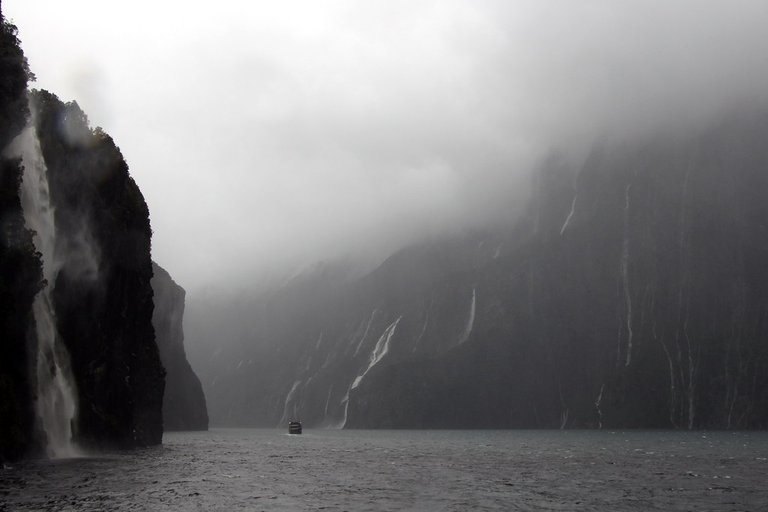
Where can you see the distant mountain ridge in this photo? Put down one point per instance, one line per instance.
(632, 294)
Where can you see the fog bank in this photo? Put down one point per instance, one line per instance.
(270, 135)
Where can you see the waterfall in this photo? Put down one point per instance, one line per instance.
(423, 329)
(327, 403)
(345, 403)
(56, 404)
(288, 399)
(598, 401)
(470, 319)
(570, 214)
(365, 334)
(379, 351)
(624, 268)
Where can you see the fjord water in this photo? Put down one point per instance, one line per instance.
(229, 469)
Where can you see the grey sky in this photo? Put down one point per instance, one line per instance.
(270, 134)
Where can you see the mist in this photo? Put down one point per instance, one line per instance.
(269, 136)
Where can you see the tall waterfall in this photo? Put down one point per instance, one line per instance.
(56, 404)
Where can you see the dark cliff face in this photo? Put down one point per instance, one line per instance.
(638, 300)
(633, 294)
(184, 402)
(20, 266)
(102, 295)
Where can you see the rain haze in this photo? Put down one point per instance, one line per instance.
(269, 135)
(384, 255)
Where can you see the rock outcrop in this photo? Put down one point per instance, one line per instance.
(184, 402)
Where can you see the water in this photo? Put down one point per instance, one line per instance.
(56, 403)
(407, 470)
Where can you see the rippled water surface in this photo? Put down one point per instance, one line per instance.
(406, 470)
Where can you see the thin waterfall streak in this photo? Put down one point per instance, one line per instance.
(672, 396)
(327, 403)
(687, 384)
(345, 403)
(570, 215)
(288, 399)
(471, 319)
(423, 330)
(625, 275)
(598, 401)
(365, 334)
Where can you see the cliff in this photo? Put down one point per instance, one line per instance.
(20, 266)
(184, 402)
(632, 294)
(78, 357)
(102, 295)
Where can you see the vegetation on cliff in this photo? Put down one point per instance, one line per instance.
(20, 266)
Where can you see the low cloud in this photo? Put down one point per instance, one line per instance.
(268, 136)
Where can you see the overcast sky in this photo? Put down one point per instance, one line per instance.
(270, 134)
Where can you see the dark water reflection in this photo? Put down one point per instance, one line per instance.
(407, 470)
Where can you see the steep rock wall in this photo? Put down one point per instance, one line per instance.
(633, 294)
(20, 267)
(184, 402)
(643, 303)
(102, 295)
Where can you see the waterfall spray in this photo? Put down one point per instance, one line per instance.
(56, 404)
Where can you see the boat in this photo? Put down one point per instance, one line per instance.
(294, 427)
